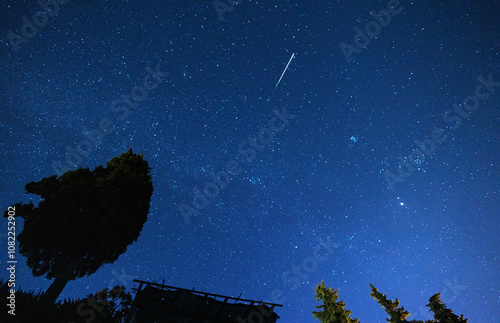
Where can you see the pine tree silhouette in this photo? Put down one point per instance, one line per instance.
(335, 312)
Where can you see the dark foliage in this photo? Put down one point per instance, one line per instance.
(111, 306)
(85, 219)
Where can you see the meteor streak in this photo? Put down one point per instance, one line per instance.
(293, 55)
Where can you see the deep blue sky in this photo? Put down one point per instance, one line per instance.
(324, 176)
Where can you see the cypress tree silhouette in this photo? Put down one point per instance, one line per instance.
(84, 219)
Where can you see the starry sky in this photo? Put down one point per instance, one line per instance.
(375, 159)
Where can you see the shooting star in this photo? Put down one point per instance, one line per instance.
(293, 55)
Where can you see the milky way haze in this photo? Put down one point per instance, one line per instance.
(375, 159)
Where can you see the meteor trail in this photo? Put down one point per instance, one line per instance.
(293, 55)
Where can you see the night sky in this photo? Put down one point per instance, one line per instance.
(375, 159)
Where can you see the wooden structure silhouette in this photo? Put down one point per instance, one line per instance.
(161, 303)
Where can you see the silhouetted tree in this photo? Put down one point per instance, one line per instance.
(110, 306)
(107, 305)
(443, 314)
(84, 219)
(398, 314)
(333, 311)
